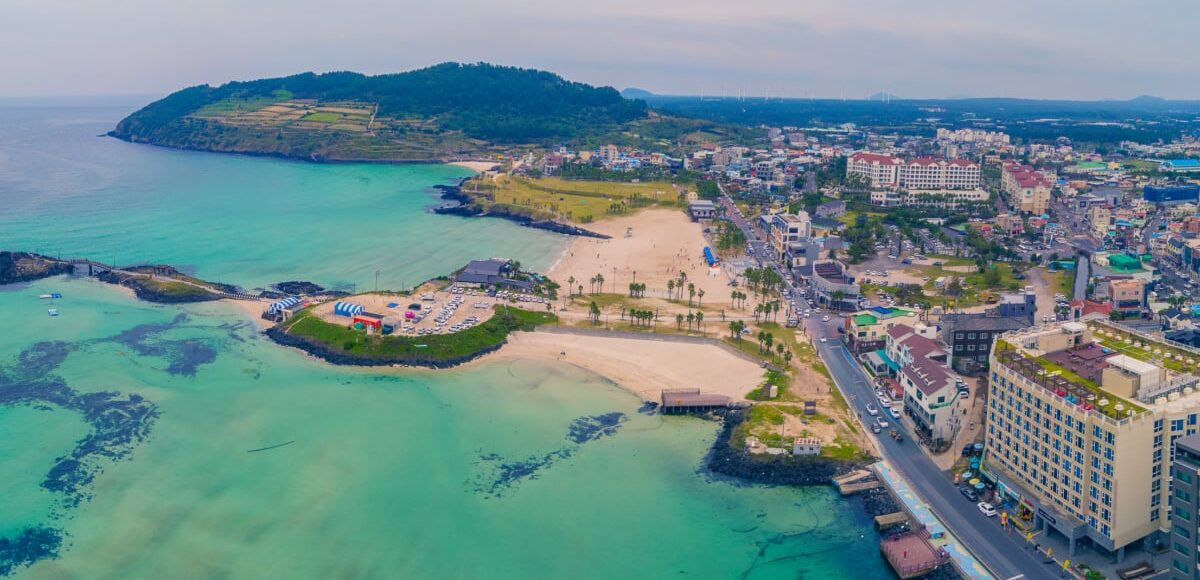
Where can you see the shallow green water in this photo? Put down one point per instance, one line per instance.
(235, 219)
(246, 460)
(394, 474)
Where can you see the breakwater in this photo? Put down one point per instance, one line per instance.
(728, 460)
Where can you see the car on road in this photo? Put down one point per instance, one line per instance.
(986, 508)
(881, 422)
(825, 319)
(969, 493)
(871, 410)
(894, 413)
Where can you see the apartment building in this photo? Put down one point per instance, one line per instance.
(1100, 219)
(1028, 190)
(1082, 418)
(988, 138)
(1185, 521)
(868, 330)
(939, 198)
(923, 173)
(833, 286)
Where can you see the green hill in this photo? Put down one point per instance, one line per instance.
(445, 111)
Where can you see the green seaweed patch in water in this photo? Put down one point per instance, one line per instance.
(33, 544)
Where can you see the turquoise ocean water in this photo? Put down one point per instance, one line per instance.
(174, 442)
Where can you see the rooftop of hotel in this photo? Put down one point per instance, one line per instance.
(1076, 373)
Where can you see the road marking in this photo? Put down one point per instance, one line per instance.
(1016, 577)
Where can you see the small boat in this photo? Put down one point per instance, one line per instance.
(50, 295)
(52, 312)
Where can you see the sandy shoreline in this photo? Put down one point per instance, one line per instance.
(476, 166)
(644, 367)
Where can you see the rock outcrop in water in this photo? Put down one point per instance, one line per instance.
(466, 207)
(727, 460)
(26, 267)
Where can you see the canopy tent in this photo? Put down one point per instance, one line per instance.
(347, 309)
(709, 257)
(282, 305)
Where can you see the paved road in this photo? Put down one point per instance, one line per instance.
(1004, 554)
(1082, 269)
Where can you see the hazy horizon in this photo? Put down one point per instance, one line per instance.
(823, 49)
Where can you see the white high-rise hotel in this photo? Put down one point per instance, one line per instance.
(922, 173)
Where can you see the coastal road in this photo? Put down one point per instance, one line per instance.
(1004, 553)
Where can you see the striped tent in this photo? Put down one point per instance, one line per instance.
(347, 309)
(281, 305)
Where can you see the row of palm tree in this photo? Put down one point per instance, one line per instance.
(767, 309)
(692, 317)
(736, 297)
(643, 317)
(637, 290)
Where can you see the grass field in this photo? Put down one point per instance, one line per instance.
(322, 117)
(433, 347)
(577, 201)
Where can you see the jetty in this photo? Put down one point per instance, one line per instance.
(856, 482)
(888, 521)
(681, 401)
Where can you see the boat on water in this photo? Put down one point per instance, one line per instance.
(52, 312)
(50, 295)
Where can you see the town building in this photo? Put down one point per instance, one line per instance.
(833, 286)
(1028, 190)
(931, 398)
(1179, 166)
(1185, 508)
(1010, 223)
(785, 229)
(867, 330)
(922, 173)
(978, 137)
(1100, 220)
(1081, 421)
(1125, 295)
(831, 209)
(970, 335)
(1171, 194)
(806, 446)
(938, 198)
(702, 209)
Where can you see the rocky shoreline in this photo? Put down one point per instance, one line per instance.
(18, 267)
(466, 207)
(727, 460)
(341, 358)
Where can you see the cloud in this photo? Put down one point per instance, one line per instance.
(932, 48)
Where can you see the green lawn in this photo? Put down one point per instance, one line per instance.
(433, 347)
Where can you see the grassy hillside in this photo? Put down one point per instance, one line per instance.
(445, 111)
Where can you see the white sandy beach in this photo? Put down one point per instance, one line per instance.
(663, 243)
(644, 367)
(476, 166)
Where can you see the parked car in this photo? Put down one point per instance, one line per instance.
(894, 413)
(969, 493)
(987, 509)
(871, 410)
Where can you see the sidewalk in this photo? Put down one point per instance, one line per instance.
(963, 561)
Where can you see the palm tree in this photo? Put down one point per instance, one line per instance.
(690, 319)
(581, 289)
(699, 321)
(733, 298)
(733, 329)
(769, 338)
(599, 283)
(691, 293)
(762, 336)
(570, 286)
(779, 348)
(594, 310)
(787, 357)
(678, 321)
(670, 289)
(700, 295)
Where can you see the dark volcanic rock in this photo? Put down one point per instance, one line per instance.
(26, 267)
(294, 287)
(465, 207)
(344, 358)
(725, 459)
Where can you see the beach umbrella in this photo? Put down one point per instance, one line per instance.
(967, 475)
(974, 481)
(979, 485)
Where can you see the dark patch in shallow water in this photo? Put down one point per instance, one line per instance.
(586, 429)
(504, 474)
(31, 545)
(183, 356)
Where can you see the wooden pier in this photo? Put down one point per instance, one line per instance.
(888, 521)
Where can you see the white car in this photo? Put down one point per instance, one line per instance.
(871, 410)
(987, 509)
(825, 319)
(823, 339)
(883, 424)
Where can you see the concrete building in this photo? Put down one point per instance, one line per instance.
(1028, 190)
(922, 173)
(1079, 436)
(833, 286)
(931, 399)
(785, 229)
(1100, 220)
(806, 446)
(939, 198)
(1171, 194)
(702, 209)
(1185, 499)
(868, 330)
(1125, 295)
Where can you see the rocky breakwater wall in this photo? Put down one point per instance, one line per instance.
(461, 204)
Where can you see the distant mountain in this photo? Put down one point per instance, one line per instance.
(883, 96)
(444, 111)
(636, 93)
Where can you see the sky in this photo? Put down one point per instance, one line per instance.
(1069, 49)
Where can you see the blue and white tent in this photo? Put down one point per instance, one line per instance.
(347, 309)
(284, 304)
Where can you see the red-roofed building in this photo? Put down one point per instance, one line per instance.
(1081, 308)
(1028, 189)
(922, 173)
